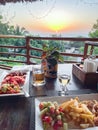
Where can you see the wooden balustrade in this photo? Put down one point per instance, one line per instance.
(27, 56)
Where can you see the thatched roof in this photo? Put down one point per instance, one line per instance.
(3, 2)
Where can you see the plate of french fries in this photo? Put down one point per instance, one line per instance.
(79, 112)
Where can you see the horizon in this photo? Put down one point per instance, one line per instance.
(60, 17)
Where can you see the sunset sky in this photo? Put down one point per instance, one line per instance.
(47, 17)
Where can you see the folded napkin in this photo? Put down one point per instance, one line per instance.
(22, 67)
(90, 65)
(3, 73)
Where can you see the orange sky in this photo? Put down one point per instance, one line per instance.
(56, 16)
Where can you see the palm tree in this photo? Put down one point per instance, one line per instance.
(20, 31)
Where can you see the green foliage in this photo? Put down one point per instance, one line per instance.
(52, 52)
(81, 49)
(94, 32)
(95, 51)
(76, 44)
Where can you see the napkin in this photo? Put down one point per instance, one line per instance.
(3, 73)
(22, 67)
(89, 65)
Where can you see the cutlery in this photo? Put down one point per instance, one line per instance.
(25, 93)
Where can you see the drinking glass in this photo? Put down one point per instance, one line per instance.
(38, 76)
(64, 79)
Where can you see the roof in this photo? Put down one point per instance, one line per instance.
(3, 2)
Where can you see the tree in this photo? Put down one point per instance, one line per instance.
(94, 34)
(7, 29)
(94, 31)
(20, 31)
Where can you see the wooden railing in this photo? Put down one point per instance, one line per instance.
(28, 48)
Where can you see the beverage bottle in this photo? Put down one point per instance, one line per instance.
(44, 61)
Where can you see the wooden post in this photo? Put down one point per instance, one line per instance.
(85, 51)
(28, 49)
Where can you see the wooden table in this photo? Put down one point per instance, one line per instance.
(18, 113)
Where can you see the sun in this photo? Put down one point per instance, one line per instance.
(56, 24)
(58, 21)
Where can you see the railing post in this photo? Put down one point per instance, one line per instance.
(85, 51)
(91, 50)
(28, 49)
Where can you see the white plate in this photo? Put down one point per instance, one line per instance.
(25, 87)
(38, 124)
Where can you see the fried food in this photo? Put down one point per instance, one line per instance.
(82, 114)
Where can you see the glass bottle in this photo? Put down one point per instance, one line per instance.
(43, 61)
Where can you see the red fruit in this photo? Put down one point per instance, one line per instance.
(20, 80)
(55, 126)
(60, 123)
(47, 119)
(60, 109)
(7, 78)
(57, 112)
(52, 110)
(41, 105)
(14, 83)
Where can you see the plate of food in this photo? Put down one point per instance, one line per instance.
(14, 83)
(67, 113)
